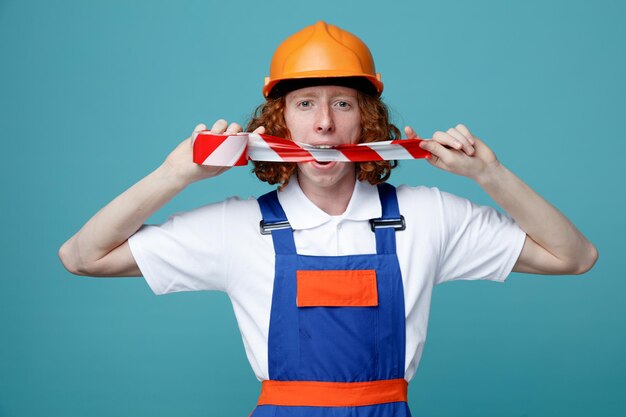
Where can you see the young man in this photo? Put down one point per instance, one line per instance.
(332, 304)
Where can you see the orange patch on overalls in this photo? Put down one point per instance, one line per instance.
(337, 288)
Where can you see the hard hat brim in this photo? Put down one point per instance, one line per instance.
(362, 82)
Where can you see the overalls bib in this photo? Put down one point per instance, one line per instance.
(337, 325)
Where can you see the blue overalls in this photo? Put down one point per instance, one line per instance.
(341, 356)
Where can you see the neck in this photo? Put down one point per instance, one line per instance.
(332, 200)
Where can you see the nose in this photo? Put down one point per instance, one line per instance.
(324, 122)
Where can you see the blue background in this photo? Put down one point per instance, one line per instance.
(95, 94)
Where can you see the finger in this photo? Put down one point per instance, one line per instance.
(410, 133)
(260, 130)
(219, 126)
(467, 146)
(440, 154)
(447, 140)
(199, 128)
(432, 158)
(234, 128)
(463, 129)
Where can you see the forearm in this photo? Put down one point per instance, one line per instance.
(118, 220)
(542, 222)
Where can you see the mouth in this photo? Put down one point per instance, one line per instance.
(323, 164)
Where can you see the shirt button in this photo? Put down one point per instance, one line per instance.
(339, 226)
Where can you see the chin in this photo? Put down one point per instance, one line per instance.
(326, 175)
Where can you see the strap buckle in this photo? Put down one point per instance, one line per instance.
(396, 224)
(266, 228)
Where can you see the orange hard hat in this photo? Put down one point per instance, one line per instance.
(322, 51)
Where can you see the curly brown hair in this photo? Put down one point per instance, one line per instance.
(375, 124)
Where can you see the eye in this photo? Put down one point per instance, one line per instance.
(343, 104)
(305, 104)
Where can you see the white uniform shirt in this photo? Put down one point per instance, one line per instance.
(219, 247)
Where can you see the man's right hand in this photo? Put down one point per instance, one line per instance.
(100, 247)
(180, 162)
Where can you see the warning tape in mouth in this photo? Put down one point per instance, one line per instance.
(236, 150)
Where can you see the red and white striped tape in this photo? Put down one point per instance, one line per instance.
(238, 149)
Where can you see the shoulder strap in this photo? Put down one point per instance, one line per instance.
(390, 221)
(274, 221)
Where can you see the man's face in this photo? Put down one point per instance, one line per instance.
(324, 115)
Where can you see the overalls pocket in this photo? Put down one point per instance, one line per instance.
(338, 324)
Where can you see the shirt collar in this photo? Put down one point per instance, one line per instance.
(303, 214)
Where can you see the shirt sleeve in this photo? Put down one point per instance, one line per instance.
(478, 242)
(186, 253)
